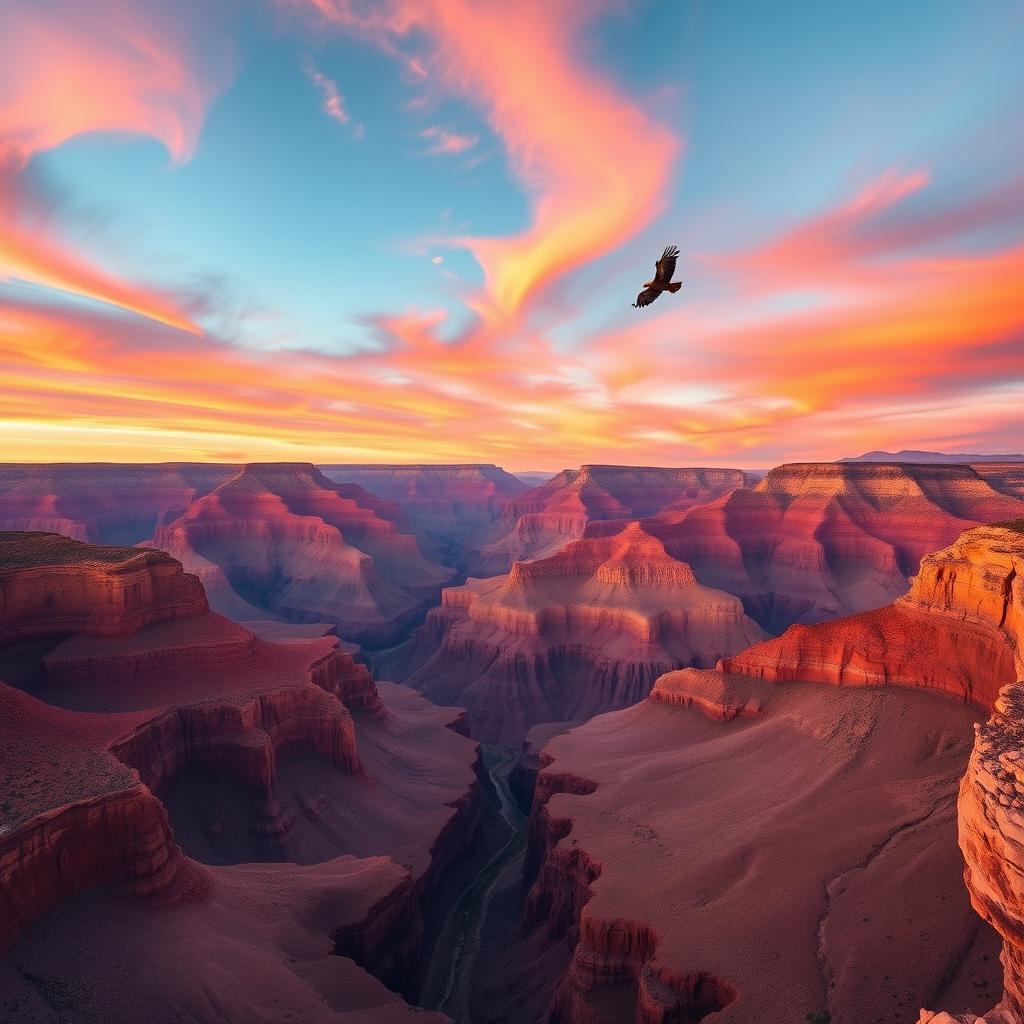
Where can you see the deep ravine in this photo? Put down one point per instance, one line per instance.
(448, 975)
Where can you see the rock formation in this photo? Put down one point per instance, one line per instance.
(869, 766)
(569, 636)
(160, 740)
(815, 541)
(284, 538)
(109, 503)
(539, 522)
(446, 505)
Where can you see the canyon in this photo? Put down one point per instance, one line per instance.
(651, 850)
(541, 521)
(566, 637)
(723, 823)
(446, 505)
(284, 539)
(270, 819)
(815, 541)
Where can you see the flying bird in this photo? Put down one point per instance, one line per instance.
(662, 282)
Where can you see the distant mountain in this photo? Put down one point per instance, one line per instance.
(910, 455)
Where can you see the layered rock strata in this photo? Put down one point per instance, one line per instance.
(569, 636)
(284, 538)
(814, 541)
(539, 522)
(106, 741)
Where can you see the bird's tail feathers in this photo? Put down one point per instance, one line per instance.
(675, 286)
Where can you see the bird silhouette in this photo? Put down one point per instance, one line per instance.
(662, 282)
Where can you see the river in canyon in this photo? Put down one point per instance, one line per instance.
(449, 973)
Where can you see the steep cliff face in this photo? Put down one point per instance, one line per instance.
(846, 759)
(108, 738)
(815, 541)
(670, 848)
(102, 502)
(287, 539)
(954, 630)
(569, 636)
(539, 522)
(443, 503)
(51, 585)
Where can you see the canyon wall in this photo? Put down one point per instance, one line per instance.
(871, 763)
(445, 504)
(108, 735)
(568, 636)
(284, 538)
(109, 503)
(51, 585)
(539, 522)
(815, 541)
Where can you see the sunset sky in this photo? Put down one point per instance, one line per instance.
(411, 230)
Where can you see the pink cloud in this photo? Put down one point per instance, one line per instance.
(332, 102)
(563, 124)
(446, 142)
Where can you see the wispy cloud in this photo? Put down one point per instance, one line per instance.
(564, 126)
(445, 142)
(332, 102)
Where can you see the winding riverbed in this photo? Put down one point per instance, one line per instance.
(448, 977)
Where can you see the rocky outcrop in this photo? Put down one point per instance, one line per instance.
(106, 503)
(50, 585)
(539, 522)
(815, 541)
(569, 636)
(284, 538)
(956, 629)
(105, 730)
(653, 847)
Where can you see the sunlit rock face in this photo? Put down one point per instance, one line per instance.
(539, 522)
(569, 636)
(819, 540)
(881, 731)
(205, 805)
(283, 538)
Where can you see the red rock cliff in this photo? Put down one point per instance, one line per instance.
(51, 585)
(287, 539)
(569, 636)
(817, 540)
(539, 522)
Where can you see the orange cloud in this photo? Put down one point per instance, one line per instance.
(564, 127)
(69, 69)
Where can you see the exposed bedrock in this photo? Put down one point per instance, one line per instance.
(870, 770)
(655, 856)
(51, 585)
(299, 729)
(956, 630)
(106, 503)
(569, 636)
(541, 521)
(284, 538)
(818, 540)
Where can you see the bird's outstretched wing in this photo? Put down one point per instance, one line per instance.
(646, 297)
(666, 266)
